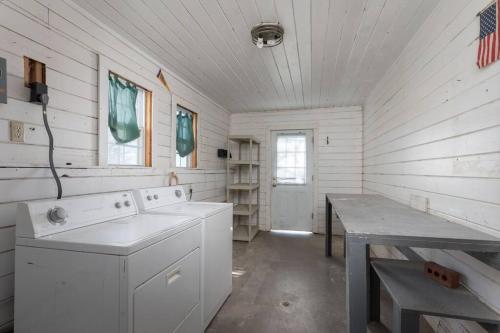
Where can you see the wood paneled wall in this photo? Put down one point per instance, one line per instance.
(68, 41)
(337, 165)
(432, 129)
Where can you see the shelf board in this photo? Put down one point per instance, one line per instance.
(244, 210)
(244, 186)
(244, 138)
(243, 162)
(241, 232)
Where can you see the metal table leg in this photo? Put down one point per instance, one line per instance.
(344, 247)
(358, 284)
(328, 228)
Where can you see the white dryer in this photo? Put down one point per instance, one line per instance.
(217, 235)
(93, 264)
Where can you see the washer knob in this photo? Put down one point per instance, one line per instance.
(127, 203)
(149, 197)
(156, 196)
(57, 215)
(118, 204)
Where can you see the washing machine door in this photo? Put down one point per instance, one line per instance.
(169, 301)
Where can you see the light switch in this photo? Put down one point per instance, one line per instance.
(3, 80)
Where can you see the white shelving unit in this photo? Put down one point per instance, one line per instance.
(243, 189)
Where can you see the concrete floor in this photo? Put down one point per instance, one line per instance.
(285, 284)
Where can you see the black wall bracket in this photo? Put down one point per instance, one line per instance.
(222, 153)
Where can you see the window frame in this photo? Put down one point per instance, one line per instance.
(107, 66)
(178, 101)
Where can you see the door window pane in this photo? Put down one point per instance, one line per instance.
(291, 159)
(282, 159)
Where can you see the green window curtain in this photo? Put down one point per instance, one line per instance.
(122, 119)
(185, 135)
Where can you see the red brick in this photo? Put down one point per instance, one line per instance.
(445, 276)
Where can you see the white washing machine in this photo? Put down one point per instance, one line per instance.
(217, 240)
(93, 264)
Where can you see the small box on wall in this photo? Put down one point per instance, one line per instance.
(222, 153)
(3, 81)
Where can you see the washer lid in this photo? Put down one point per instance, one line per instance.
(118, 237)
(201, 209)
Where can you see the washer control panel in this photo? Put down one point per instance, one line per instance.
(150, 198)
(41, 218)
(57, 215)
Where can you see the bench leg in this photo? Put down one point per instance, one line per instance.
(374, 296)
(491, 328)
(404, 321)
(358, 284)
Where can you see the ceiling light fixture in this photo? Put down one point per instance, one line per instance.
(267, 35)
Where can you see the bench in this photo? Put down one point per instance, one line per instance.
(414, 294)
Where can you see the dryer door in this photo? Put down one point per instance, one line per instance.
(170, 300)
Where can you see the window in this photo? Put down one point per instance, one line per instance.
(186, 138)
(129, 123)
(291, 159)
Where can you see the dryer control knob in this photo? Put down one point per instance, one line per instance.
(57, 215)
(149, 197)
(155, 196)
(118, 205)
(127, 203)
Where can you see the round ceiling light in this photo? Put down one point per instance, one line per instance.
(267, 35)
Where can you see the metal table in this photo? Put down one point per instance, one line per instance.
(373, 219)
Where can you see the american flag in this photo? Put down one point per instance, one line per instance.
(489, 42)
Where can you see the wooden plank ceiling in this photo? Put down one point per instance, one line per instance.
(334, 51)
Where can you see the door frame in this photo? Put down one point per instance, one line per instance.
(309, 136)
(269, 165)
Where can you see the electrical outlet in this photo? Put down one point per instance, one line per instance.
(16, 131)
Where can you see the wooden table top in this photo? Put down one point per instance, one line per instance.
(384, 221)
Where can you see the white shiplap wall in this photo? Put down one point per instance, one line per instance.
(432, 129)
(337, 164)
(68, 41)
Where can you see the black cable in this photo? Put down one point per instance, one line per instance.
(45, 100)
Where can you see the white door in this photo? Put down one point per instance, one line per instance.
(292, 180)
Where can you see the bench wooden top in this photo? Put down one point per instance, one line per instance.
(412, 290)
